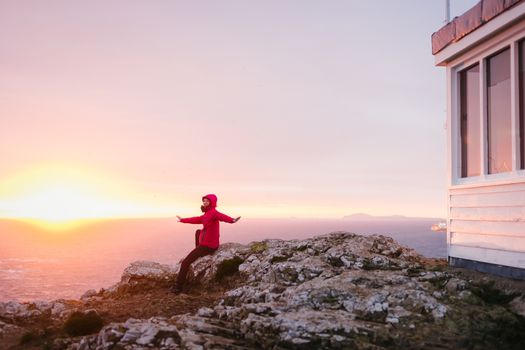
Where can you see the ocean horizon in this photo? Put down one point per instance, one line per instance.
(36, 264)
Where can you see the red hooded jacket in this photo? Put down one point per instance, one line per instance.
(210, 221)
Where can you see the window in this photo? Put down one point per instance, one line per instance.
(522, 104)
(498, 113)
(470, 122)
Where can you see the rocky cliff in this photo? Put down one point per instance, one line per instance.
(337, 291)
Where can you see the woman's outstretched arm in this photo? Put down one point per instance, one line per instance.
(226, 218)
(193, 220)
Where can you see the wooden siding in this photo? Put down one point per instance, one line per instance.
(491, 256)
(510, 243)
(513, 214)
(496, 199)
(487, 227)
(488, 224)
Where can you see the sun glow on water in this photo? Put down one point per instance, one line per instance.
(61, 198)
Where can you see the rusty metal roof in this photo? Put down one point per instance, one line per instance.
(478, 15)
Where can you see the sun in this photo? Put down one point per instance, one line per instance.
(58, 202)
(58, 197)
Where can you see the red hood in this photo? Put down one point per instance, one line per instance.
(213, 200)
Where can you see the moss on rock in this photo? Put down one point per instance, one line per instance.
(258, 247)
(279, 258)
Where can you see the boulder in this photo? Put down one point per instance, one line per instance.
(142, 275)
(517, 305)
(89, 294)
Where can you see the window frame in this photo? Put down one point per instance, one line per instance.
(487, 112)
(464, 162)
(480, 55)
(521, 105)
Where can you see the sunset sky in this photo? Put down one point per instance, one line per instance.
(281, 108)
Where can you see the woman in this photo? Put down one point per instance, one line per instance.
(206, 240)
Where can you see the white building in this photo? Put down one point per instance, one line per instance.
(483, 52)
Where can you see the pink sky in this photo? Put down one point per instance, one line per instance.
(281, 108)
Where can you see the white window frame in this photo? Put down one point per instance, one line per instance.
(509, 39)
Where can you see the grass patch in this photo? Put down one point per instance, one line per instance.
(484, 327)
(36, 337)
(79, 323)
(492, 295)
(335, 261)
(439, 282)
(28, 337)
(228, 267)
(258, 247)
(279, 258)
(414, 271)
(368, 265)
(437, 268)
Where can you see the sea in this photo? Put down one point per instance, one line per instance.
(36, 264)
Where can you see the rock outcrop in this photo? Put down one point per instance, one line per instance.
(337, 291)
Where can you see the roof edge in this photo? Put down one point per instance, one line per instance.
(481, 13)
(490, 28)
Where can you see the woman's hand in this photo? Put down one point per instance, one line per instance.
(236, 219)
(179, 218)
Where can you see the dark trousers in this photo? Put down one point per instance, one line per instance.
(196, 253)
